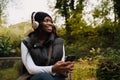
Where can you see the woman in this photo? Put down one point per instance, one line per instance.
(42, 52)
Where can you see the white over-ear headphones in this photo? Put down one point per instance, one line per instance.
(35, 24)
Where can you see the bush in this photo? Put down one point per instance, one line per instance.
(109, 65)
(9, 42)
(78, 49)
(7, 48)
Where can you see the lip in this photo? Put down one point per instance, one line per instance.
(49, 28)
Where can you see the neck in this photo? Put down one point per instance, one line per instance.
(43, 36)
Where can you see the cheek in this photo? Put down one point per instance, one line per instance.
(46, 29)
(43, 27)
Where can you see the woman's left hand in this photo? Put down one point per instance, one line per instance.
(69, 66)
(62, 67)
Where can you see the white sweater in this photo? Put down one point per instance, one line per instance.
(31, 66)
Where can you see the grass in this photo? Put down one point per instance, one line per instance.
(84, 70)
(10, 73)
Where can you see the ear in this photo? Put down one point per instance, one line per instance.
(35, 24)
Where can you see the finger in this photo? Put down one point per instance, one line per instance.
(70, 67)
(68, 63)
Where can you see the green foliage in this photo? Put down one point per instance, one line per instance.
(10, 39)
(103, 9)
(61, 32)
(102, 12)
(3, 4)
(79, 49)
(105, 34)
(68, 9)
(116, 8)
(7, 74)
(109, 65)
(113, 54)
(117, 37)
(84, 71)
(64, 6)
(5, 47)
(10, 73)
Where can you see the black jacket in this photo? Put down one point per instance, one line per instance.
(39, 52)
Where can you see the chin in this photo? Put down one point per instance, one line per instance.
(49, 31)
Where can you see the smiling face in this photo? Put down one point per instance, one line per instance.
(47, 24)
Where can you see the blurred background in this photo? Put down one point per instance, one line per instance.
(90, 28)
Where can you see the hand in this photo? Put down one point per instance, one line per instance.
(62, 67)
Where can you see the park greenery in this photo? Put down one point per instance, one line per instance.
(97, 44)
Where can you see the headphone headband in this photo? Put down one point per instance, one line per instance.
(33, 17)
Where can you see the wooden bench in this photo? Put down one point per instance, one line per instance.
(6, 62)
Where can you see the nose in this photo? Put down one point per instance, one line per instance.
(50, 23)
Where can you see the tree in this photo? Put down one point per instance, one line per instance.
(3, 4)
(65, 8)
(117, 9)
(117, 22)
(103, 12)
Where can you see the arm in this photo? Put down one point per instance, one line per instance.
(62, 66)
(29, 64)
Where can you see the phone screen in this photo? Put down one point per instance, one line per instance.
(70, 58)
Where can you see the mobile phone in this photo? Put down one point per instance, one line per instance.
(70, 58)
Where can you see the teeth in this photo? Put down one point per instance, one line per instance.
(49, 27)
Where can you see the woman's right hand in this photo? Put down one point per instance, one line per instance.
(62, 67)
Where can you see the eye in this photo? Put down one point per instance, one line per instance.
(48, 20)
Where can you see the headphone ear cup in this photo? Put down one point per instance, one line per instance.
(35, 24)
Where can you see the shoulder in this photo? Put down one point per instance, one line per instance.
(27, 42)
(26, 39)
(59, 40)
